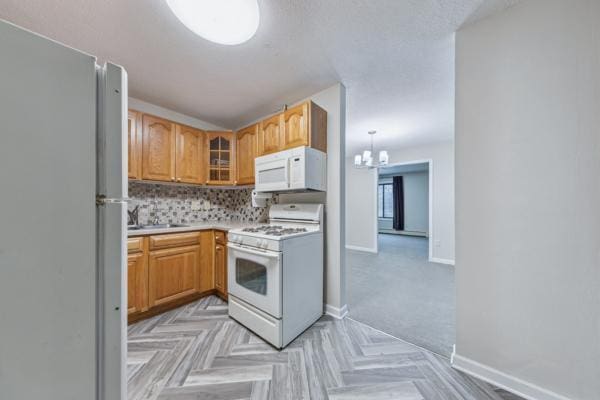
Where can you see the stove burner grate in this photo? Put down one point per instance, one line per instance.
(274, 230)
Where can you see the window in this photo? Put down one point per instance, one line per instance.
(385, 197)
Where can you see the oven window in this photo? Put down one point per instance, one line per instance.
(251, 275)
(273, 175)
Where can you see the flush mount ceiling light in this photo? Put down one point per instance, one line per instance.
(227, 22)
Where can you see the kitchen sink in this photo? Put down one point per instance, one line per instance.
(156, 226)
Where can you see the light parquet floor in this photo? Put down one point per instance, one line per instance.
(197, 352)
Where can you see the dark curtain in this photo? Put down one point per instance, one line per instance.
(398, 189)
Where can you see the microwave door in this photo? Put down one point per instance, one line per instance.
(272, 175)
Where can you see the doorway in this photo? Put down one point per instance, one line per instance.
(398, 290)
(408, 212)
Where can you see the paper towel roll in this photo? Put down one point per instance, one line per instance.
(260, 199)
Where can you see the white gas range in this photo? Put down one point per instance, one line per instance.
(275, 273)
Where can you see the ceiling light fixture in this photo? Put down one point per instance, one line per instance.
(366, 159)
(227, 22)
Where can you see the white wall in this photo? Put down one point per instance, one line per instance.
(416, 202)
(361, 199)
(528, 198)
(333, 100)
(139, 105)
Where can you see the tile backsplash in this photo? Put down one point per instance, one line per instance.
(175, 204)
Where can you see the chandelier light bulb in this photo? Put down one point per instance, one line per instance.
(357, 159)
(383, 157)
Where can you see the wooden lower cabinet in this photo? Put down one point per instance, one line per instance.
(207, 256)
(221, 270)
(137, 276)
(173, 274)
(220, 263)
(166, 271)
(136, 283)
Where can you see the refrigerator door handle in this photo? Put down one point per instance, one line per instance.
(102, 200)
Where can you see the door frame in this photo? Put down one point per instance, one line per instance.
(429, 163)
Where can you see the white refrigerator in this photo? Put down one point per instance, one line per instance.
(63, 191)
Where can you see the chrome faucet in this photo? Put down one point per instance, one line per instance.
(134, 216)
(155, 209)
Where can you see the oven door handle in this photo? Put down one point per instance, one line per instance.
(255, 252)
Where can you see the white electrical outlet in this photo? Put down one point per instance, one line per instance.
(437, 243)
(206, 205)
(196, 205)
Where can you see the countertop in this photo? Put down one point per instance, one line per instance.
(194, 226)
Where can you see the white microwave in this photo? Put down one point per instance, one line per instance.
(298, 169)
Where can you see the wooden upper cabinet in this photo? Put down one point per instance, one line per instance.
(221, 158)
(301, 125)
(305, 125)
(161, 150)
(158, 149)
(295, 127)
(269, 135)
(189, 166)
(246, 143)
(134, 145)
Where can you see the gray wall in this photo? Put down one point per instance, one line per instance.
(333, 100)
(416, 203)
(528, 195)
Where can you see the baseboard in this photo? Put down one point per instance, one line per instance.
(358, 248)
(403, 233)
(336, 312)
(441, 260)
(522, 388)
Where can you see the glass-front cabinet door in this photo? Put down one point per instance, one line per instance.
(221, 157)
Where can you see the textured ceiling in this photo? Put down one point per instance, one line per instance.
(395, 57)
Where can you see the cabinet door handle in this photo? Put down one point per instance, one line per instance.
(178, 179)
(173, 178)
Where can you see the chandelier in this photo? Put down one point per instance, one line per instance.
(366, 159)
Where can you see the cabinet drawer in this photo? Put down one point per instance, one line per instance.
(174, 240)
(135, 245)
(220, 237)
